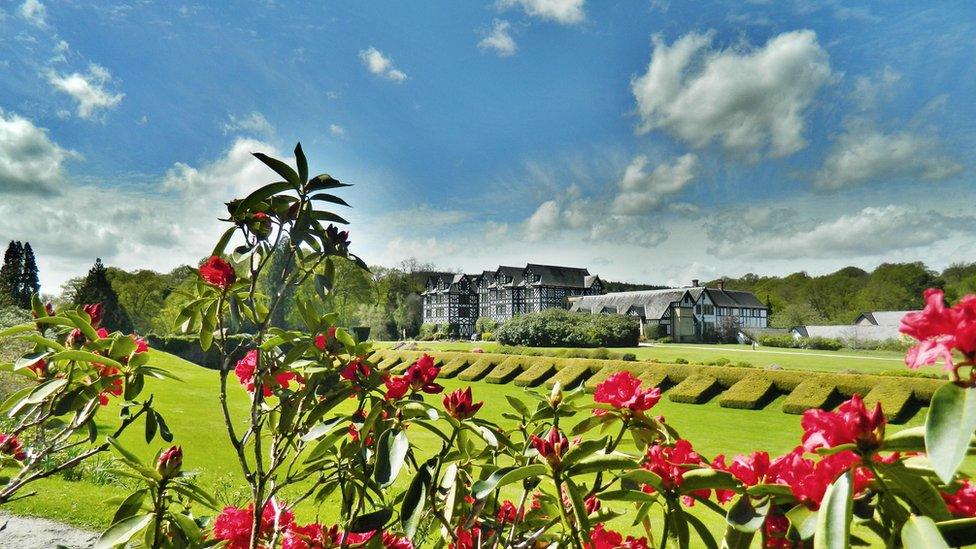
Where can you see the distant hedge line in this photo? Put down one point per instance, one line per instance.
(562, 328)
(735, 386)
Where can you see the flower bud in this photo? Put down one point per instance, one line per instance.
(556, 395)
(169, 463)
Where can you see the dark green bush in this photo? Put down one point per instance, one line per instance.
(751, 393)
(821, 343)
(774, 340)
(561, 328)
(506, 370)
(695, 389)
(814, 392)
(722, 361)
(535, 374)
(629, 357)
(680, 360)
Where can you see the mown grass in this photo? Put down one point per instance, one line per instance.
(192, 411)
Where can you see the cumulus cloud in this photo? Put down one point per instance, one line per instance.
(34, 12)
(863, 155)
(546, 218)
(30, 162)
(88, 89)
(872, 231)
(751, 101)
(499, 40)
(642, 191)
(566, 12)
(253, 124)
(381, 65)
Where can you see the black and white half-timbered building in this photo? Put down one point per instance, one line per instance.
(457, 300)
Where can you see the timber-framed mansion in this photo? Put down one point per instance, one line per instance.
(458, 300)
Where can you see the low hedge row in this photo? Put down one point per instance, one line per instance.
(535, 374)
(695, 389)
(454, 366)
(506, 370)
(812, 393)
(897, 401)
(570, 376)
(750, 393)
(478, 369)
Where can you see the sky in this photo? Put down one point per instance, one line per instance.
(649, 141)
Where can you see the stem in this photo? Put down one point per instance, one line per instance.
(160, 511)
(558, 481)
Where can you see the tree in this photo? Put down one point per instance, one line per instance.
(97, 289)
(142, 293)
(378, 319)
(796, 314)
(30, 284)
(408, 315)
(271, 284)
(10, 274)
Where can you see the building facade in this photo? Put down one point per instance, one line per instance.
(457, 300)
(684, 314)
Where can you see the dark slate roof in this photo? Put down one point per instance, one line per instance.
(653, 302)
(514, 272)
(589, 280)
(734, 298)
(554, 275)
(884, 318)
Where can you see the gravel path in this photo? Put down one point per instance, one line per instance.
(18, 532)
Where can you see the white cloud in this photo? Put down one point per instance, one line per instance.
(863, 155)
(34, 12)
(337, 130)
(872, 231)
(88, 89)
(381, 65)
(495, 231)
(642, 192)
(252, 124)
(499, 40)
(544, 220)
(29, 161)
(567, 12)
(749, 100)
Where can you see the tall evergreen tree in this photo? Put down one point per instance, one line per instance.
(97, 289)
(30, 283)
(10, 274)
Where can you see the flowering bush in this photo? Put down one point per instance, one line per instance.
(326, 428)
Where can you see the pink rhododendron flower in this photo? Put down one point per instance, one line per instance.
(141, 345)
(459, 404)
(245, 372)
(420, 376)
(393, 541)
(508, 512)
(807, 480)
(670, 463)
(552, 447)
(11, 446)
(170, 462)
(940, 330)
(601, 538)
(233, 524)
(218, 272)
(322, 340)
(94, 311)
(116, 388)
(850, 423)
(749, 470)
(622, 390)
(962, 502)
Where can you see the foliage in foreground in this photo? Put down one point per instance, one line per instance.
(560, 454)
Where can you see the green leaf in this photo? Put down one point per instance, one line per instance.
(916, 489)
(302, 163)
(45, 390)
(505, 476)
(121, 532)
(221, 245)
(959, 532)
(834, 518)
(949, 428)
(703, 479)
(391, 452)
(330, 198)
(130, 506)
(30, 359)
(413, 500)
(370, 522)
(804, 520)
(703, 534)
(579, 507)
(906, 440)
(594, 464)
(324, 181)
(922, 532)
(745, 516)
(262, 194)
(85, 356)
(282, 169)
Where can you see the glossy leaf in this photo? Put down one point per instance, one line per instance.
(835, 515)
(413, 501)
(121, 532)
(282, 169)
(594, 464)
(505, 476)
(745, 516)
(371, 521)
(949, 428)
(391, 452)
(922, 532)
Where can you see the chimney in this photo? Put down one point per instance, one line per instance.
(721, 284)
(694, 283)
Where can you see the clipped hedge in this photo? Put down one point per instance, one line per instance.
(535, 374)
(454, 366)
(478, 369)
(562, 328)
(570, 375)
(897, 401)
(750, 393)
(655, 378)
(812, 393)
(506, 370)
(695, 389)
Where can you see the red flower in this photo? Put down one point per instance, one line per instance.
(507, 512)
(94, 311)
(552, 447)
(850, 423)
(392, 541)
(322, 341)
(749, 470)
(218, 272)
(962, 502)
(459, 404)
(315, 536)
(777, 527)
(396, 387)
(601, 538)
(233, 524)
(39, 368)
(421, 375)
(141, 345)
(808, 480)
(245, 371)
(671, 462)
(622, 390)
(10, 445)
(355, 367)
(170, 462)
(116, 387)
(592, 505)
(940, 329)
(466, 539)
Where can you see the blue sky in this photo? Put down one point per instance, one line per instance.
(648, 141)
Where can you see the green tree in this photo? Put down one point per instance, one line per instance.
(97, 289)
(272, 283)
(30, 282)
(408, 315)
(796, 314)
(377, 318)
(142, 293)
(10, 274)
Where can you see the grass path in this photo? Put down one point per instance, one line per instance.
(826, 354)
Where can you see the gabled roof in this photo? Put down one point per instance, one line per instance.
(514, 272)
(590, 280)
(883, 318)
(653, 302)
(849, 332)
(554, 275)
(734, 298)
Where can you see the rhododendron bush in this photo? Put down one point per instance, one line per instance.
(328, 434)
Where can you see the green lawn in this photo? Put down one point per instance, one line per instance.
(192, 411)
(868, 362)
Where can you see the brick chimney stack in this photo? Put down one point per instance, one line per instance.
(694, 283)
(721, 284)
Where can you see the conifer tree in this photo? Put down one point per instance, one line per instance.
(10, 274)
(30, 283)
(97, 289)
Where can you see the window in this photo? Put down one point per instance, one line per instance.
(762, 313)
(698, 309)
(708, 309)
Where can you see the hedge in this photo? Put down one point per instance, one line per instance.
(478, 369)
(604, 373)
(897, 401)
(695, 389)
(454, 366)
(812, 393)
(569, 376)
(506, 370)
(562, 328)
(655, 378)
(535, 374)
(750, 393)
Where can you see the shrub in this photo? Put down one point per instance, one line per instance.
(485, 324)
(750, 393)
(896, 400)
(479, 368)
(561, 328)
(602, 353)
(629, 357)
(487, 336)
(655, 378)
(427, 331)
(680, 360)
(665, 339)
(506, 370)
(744, 364)
(722, 361)
(695, 389)
(778, 340)
(811, 393)
(535, 374)
(569, 376)
(821, 343)
(454, 366)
